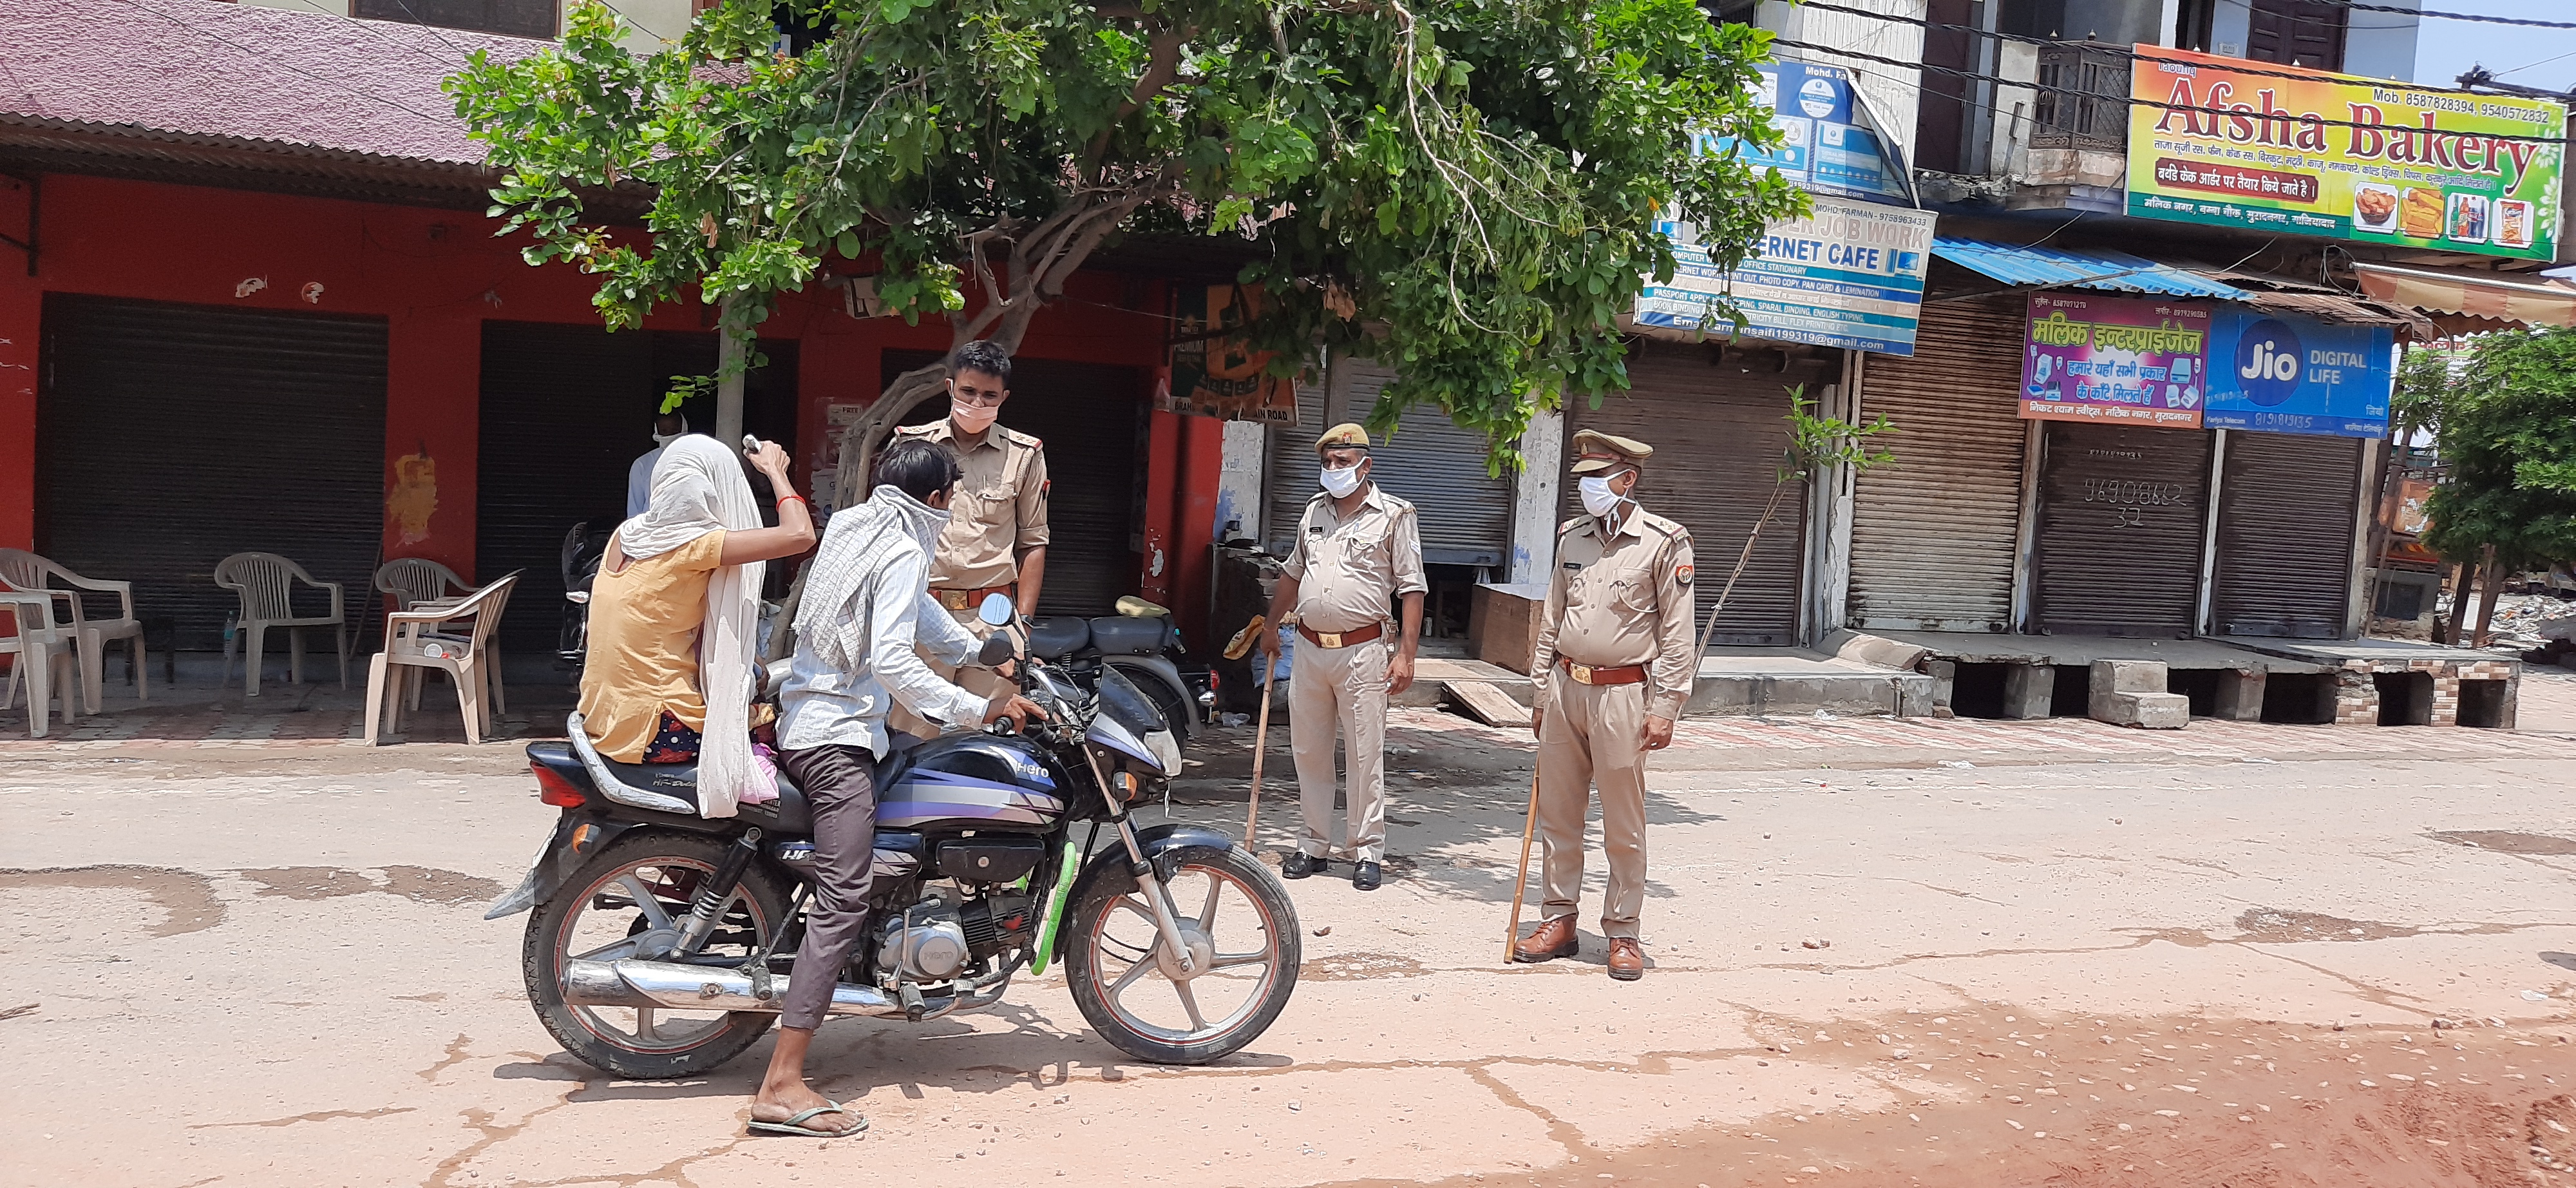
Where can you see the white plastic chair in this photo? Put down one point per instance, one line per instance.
(22, 570)
(265, 582)
(411, 581)
(44, 650)
(413, 641)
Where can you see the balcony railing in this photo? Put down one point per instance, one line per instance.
(2095, 115)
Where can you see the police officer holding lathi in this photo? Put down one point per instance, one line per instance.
(1359, 549)
(1613, 667)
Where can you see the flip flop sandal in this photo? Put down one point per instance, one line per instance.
(796, 1125)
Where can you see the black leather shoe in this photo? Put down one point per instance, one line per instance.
(1364, 876)
(1299, 865)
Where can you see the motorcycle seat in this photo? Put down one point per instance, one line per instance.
(1057, 637)
(790, 814)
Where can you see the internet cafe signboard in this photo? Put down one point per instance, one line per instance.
(2124, 360)
(2331, 155)
(2279, 374)
(1848, 275)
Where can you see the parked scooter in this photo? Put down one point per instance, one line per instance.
(662, 943)
(1147, 649)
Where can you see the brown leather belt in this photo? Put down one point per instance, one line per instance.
(1341, 639)
(1585, 674)
(961, 600)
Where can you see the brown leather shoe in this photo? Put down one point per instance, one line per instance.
(1627, 958)
(1554, 939)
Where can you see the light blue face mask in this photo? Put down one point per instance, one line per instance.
(1340, 483)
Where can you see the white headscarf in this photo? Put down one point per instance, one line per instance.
(698, 488)
(854, 549)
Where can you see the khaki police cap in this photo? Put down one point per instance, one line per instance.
(1597, 451)
(1344, 436)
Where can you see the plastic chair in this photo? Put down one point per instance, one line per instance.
(415, 580)
(265, 582)
(413, 642)
(22, 570)
(44, 651)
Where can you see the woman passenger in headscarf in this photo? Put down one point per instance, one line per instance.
(675, 611)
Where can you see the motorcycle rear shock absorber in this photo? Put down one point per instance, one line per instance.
(712, 894)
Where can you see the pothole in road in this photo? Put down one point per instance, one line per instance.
(186, 897)
(2508, 842)
(2275, 926)
(1355, 967)
(419, 883)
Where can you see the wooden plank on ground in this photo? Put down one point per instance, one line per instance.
(1490, 705)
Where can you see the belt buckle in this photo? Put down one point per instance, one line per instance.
(953, 599)
(1582, 673)
(1330, 639)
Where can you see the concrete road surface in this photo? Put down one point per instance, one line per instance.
(2277, 955)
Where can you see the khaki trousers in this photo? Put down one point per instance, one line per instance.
(1345, 688)
(983, 682)
(1590, 739)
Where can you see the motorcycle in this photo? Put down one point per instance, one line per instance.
(1147, 650)
(583, 548)
(661, 943)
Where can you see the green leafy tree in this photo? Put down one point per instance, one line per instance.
(2507, 434)
(1462, 188)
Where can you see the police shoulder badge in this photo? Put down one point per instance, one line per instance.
(1682, 574)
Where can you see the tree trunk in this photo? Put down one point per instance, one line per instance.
(2491, 583)
(2460, 584)
(731, 354)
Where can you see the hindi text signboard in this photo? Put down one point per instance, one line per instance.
(1848, 275)
(2277, 148)
(2091, 357)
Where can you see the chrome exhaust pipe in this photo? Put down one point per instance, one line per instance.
(698, 988)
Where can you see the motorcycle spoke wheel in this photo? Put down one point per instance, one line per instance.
(624, 909)
(1236, 956)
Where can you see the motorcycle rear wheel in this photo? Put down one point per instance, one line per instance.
(607, 899)
(1113, 947)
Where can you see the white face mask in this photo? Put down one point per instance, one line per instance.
(973, 418)
(1340, 483)
(663, 439)
(1598, 498)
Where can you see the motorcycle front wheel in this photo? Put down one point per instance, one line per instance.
(1240, 931)
(633, 896)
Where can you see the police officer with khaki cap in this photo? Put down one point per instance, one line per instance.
(1358, 549)
(996, 538)
(1613, 668)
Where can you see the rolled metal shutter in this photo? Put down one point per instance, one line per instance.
(1719, 438)
(1934, 531)
(565, 409)
(2123, 512)
(172, 436)
(1465, 514)
(1091, 419)
(2285, 527)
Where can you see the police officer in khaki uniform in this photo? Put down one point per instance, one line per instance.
(1358, 549)
(1613, 667)
(996, 539)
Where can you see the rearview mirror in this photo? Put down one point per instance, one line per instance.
(995, 610)
(996, 650)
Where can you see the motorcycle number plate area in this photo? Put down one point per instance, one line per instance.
(990, 859)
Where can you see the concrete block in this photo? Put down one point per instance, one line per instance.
(2150, 711)
(1874, 649)
(2356, 696)
(2030, 691)
(2240, 695)
(1942, 678)
(1914, 696)
(2129, 676)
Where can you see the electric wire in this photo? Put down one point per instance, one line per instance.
(2127, 101)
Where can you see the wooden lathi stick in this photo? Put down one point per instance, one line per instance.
(1512, 934)
(1260, 748)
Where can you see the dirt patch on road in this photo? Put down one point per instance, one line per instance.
(2273, 926)
(423, 884)
(2504, 842)
(186, 898)
(439, 886)
(1998, 1095)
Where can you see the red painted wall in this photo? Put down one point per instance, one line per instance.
(435, 276)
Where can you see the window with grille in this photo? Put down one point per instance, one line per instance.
(511, 18)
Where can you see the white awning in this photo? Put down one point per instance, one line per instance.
(2470, 295)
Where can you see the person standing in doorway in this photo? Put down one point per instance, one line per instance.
(1612, 670)
(1358, 550)
(667, 428)
(996, 539)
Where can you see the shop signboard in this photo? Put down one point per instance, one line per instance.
(1829, 141)
(1213, 371)
(1848, 275)
(2278, 374)
(2115, 360)
(2277, 148)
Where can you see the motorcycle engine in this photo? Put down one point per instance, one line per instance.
(925, 944)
